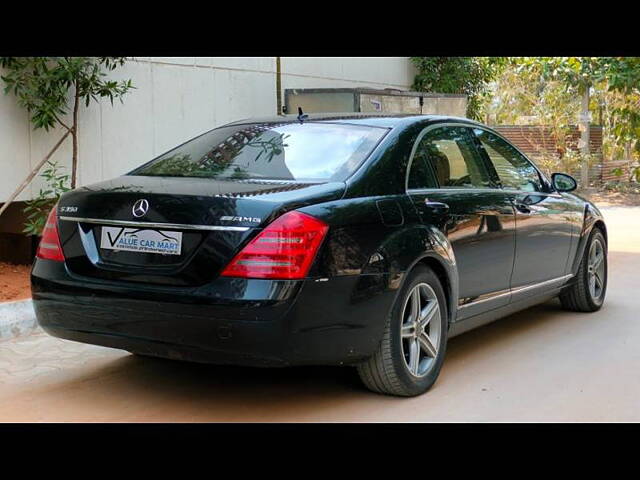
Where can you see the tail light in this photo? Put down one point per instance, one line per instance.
(49, 248)
(284, 250)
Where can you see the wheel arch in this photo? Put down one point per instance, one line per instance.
(602, 226)
(592, 219)
(437, 266)
(431, 248)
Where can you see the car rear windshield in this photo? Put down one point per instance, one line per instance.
(301, 152)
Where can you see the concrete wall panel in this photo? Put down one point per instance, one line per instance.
(177, 98)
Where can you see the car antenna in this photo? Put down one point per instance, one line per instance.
(302, 116)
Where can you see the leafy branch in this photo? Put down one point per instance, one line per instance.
(52, 89)
(38, 208)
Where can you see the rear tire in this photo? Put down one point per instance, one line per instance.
(410, 355)
(588, 291)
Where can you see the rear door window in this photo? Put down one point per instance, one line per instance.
(420, 176)
(452, 156)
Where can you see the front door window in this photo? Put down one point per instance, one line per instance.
(514, 170)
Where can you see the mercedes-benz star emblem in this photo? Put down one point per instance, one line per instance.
(140, 208)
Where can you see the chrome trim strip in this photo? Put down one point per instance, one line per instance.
(445, 189)
(172, 226)
(479, 189)
(518, 290)
(541, 284)
(478, 302)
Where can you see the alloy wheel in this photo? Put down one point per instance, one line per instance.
(420, 330)
(596, 270)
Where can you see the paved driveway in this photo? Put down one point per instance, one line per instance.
(543, 364)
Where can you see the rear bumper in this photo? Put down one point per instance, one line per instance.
(229, 321)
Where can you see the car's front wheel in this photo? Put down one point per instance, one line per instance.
(590, 286)
(410, 355)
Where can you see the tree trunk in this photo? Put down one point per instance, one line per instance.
(629, 159)
(584, 138)
(278, 87)
(74, 135)
(33, 173)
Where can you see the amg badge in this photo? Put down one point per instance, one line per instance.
(227, 218)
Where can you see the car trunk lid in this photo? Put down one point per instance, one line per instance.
(177, 231)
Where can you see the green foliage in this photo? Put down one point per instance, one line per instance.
(576, 73)
(38, 209)
(622, 73)
(615, 80)
(634, 173)
(522, 96)
(51, 87)
(619, 114)
(42, 84)
(547, 91)
(622, 187)
(467, 75)
(623, 85)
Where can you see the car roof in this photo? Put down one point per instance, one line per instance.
(385, 120)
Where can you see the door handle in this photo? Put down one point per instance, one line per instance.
(522, 208)
(436, 207)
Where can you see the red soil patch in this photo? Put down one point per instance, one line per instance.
(14, 282)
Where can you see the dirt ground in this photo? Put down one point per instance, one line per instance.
(14, 282)
(604, 198)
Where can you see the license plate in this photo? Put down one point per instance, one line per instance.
(141, 240)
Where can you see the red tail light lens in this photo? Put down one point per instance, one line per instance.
(49, 248)
(284, 250)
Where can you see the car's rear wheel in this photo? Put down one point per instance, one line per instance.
(410, 355)
(588, 291)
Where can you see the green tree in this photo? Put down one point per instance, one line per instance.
(619, 114)
(615, 83)
(467, 75)
(579, 73)
(521, 96)
(623, 86)
(50, 88)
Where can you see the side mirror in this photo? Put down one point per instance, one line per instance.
(563, 182)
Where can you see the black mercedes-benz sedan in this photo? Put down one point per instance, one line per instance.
(364, 240)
